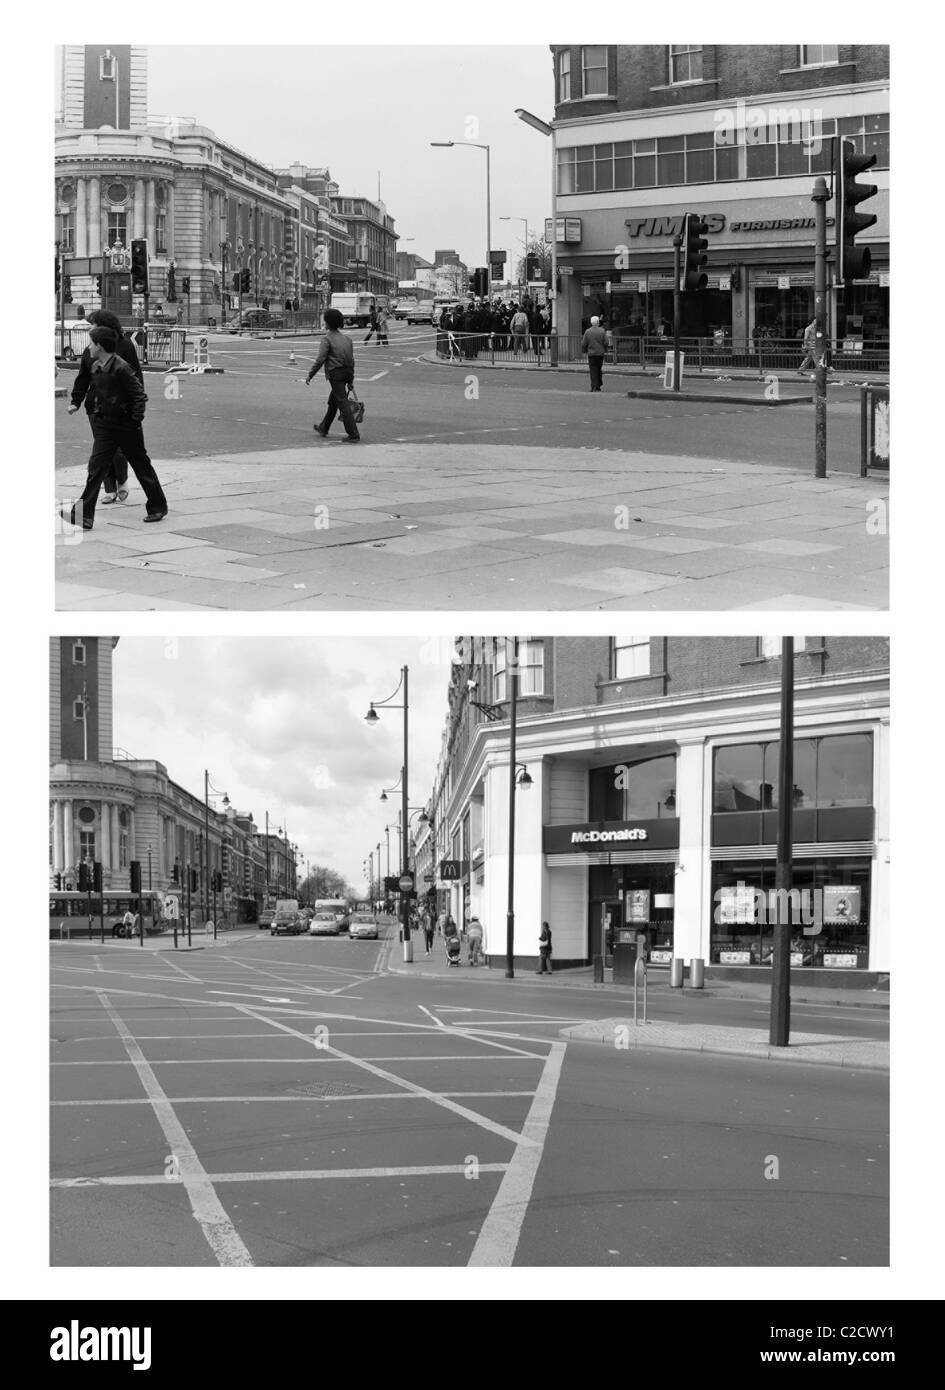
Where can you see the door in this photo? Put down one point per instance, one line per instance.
(609, 923)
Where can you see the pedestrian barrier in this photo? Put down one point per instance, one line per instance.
(164, 344)
(72, 340)
(874, 428)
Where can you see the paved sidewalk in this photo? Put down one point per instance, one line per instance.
(464, 524)
(821, 1049)
(200, 941)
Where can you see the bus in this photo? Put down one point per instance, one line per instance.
(69, 911)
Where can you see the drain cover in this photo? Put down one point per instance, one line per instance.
(326, 1088)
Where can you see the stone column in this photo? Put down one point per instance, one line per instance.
(169, 208)
(138, 217)
(692, 926)
(95, 242)
(131, 834)
(106, 846)
(69, 854)
(58, 862)
(115, 829)
(149, 213)
(81, 217)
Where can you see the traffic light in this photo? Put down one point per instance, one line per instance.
(135, 867)
(695, 246)
(471, 282)
(185, 284)
(217, 884)
(58, 881)
(532, 266)
(58, 274)
(139, 267)
(853, 262)
(175, 873)
(98, 285)
(67, 289)
(193, 880)
(98, 881)
(236, 279)
(244, 280)
(85, 882)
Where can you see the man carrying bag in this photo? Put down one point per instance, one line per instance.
(336, 355)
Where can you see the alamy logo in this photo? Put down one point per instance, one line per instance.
(75, 1343)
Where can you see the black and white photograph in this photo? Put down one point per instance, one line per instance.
(434, 256)
(484, 951)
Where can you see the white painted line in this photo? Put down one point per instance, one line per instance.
(366, 1064)
(376, 377)
(498, 1239)
(220, 1233)
(235, 994)
(298, 1061)
(240, 1100)
(289, 1175)
(439, 1023)
(187, 976)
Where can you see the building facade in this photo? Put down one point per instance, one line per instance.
(320, 242)
(651, 798)
(372, 264)
(645, 133)
(110, 808)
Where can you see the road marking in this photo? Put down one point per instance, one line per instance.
(220, 1233)
(299, 1061)
(498, 1239)
(186, 974)
(366, 1064)
(289, 1175)
(239, 1100)
(439, 1023)
(377, 376)
(234, 994)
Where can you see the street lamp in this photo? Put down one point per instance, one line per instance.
(473, 144)
(518, 777)
(524, 222)
(544, 128)
(372, 718)
(207, 786)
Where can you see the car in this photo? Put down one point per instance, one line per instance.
(323, 924)
(403, 308)
(286, 918)
(363, 924)
(421, 312)
(256, 321)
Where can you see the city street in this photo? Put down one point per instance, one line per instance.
(300, 1101)
(474, 486)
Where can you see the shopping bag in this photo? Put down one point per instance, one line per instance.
(357, 405)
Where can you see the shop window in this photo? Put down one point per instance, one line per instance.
(805, 774)
(642, 790)
(761, 161)
(700, 158)
(828, 907)
(630, 656)
(845, 770)
(594, 73)
(818, 55)
(739, 773)
(564, 75)
(671, 159)
(685, 62)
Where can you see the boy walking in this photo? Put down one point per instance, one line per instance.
(336, 355)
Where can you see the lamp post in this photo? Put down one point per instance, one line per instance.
(544, 128)
(473, 144)
(206, 840)
(524, 222)
(518, 777)
(149, 868)
(372, 718)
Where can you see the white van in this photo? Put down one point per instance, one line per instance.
(356, 308)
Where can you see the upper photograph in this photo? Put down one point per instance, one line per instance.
(433, 255)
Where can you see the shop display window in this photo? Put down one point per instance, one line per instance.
(829, 911)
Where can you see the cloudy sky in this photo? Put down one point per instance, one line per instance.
(279, 723)
(360, 110)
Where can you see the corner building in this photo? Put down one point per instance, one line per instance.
(653, 798)
(645, 133)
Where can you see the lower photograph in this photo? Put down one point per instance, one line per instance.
(469, 951)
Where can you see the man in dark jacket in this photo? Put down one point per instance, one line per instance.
(544, 950)
(115, 403)
(113, 484)
(594, 343)
(336, 355)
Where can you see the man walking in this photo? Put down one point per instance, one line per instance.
(810, 348)
(380, 326)
(115, 403)
(474, 938)
(544, 950)
(336, 355)
(114, 487)
(594, 343)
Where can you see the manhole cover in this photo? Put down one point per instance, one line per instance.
(326, 1088)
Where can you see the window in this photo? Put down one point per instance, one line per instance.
(845, 770)
(594, 71)
(770, 647)
(531, 669)
(671, 161)
(123, 849)
(564, 75)
(739, 773)
(631, 657)
(641, 790)
(87, 845)
(685, 62)
(117, 228)
(160, 233)
(78, 653)
(835, 770)
(817, 55)
(78, 709)
(65, 222)
(108, 66)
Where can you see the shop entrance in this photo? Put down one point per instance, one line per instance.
(637, 896)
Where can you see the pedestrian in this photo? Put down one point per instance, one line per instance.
(544, 949)
(336, 355)
(534, 325)
(594, 343)
(474, 937)
(441, 924)
(380, 326)
(519, 327)
(429, 923)
(114, 487)
(115, 403)
(810, 347)
(372, 323)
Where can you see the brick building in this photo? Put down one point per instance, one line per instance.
(738, 132)
(652, 799)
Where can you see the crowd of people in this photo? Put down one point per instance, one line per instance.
(518, 326)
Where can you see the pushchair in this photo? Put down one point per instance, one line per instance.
(453, 950)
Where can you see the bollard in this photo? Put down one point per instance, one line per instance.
(639, 977)
(696, 972)
(598, 970)
(676, 972)
(408, 950)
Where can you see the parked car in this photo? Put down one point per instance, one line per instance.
(421, 312)
(363, 924)
(323, 924)
(256, 321)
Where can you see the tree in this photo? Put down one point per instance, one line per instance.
(323, 882)
(540, 251)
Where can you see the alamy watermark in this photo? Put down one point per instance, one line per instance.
(742, 124)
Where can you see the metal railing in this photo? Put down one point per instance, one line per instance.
(708, 355)
(161, 343)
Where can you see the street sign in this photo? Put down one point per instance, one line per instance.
(405, 883)
(450, 869)
(429, 878)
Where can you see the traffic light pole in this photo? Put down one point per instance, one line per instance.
(677, 306)
(819, 198)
